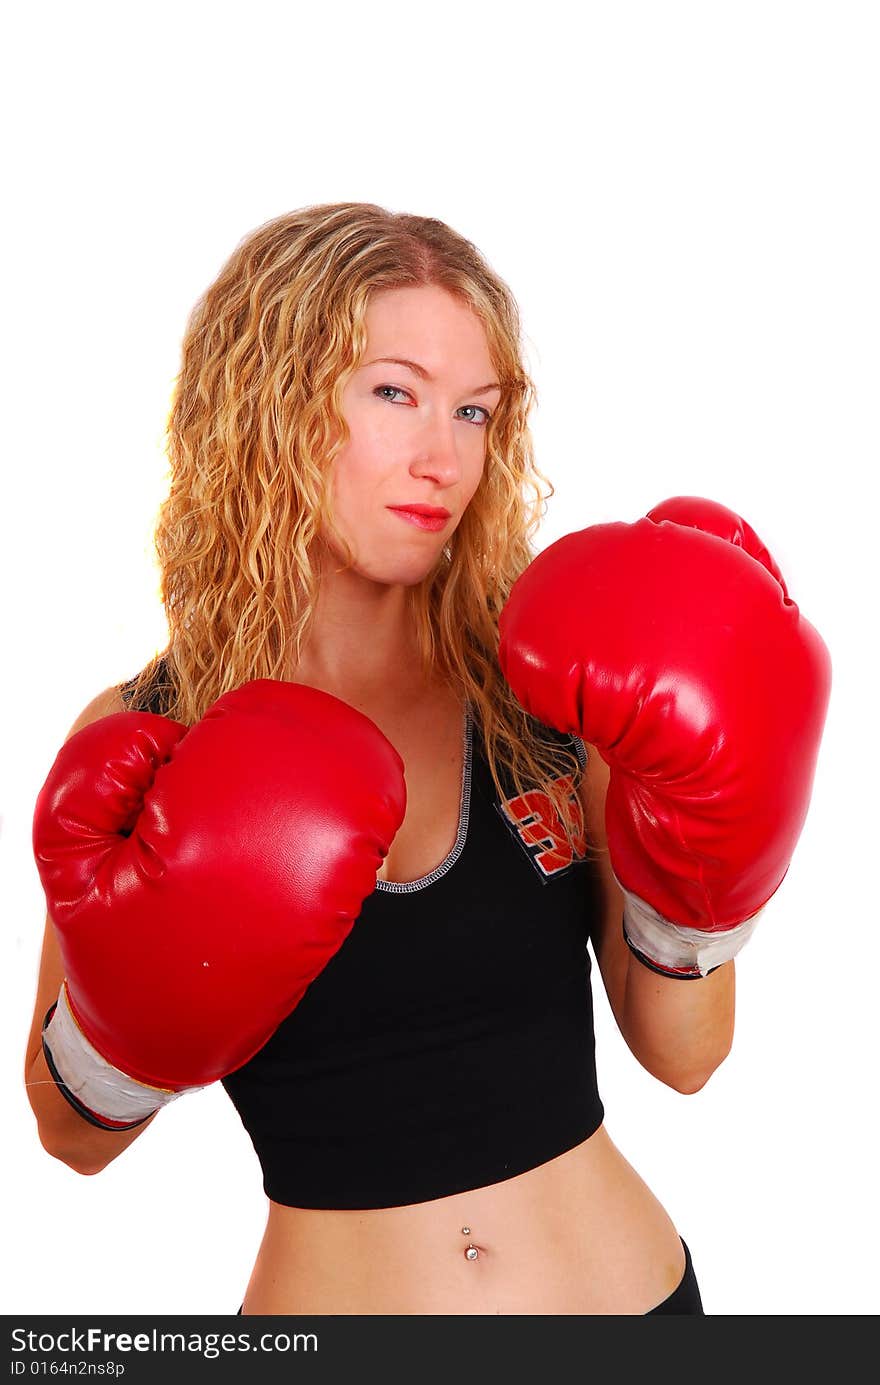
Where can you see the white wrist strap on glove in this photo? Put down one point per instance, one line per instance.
(676, 948)
(94, 1082)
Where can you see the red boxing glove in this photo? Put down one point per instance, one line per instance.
(200, 879)
(672, 646)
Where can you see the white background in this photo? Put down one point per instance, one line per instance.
(684, 200)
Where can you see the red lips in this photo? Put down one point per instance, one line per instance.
(429, 511)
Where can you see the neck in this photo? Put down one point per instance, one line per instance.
(361, 638)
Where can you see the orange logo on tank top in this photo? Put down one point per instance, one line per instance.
(534, 821)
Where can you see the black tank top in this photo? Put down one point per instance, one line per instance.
(448, 1044)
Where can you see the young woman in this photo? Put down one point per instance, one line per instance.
(348, 514)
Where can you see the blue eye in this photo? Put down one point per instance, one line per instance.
(396, 389)
(483, 411)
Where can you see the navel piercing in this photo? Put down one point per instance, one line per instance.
(472, 1251)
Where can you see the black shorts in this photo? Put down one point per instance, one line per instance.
(684, 1299)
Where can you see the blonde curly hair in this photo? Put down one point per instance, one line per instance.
(255, 423)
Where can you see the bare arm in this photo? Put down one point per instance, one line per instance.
(63, 1133)
(680, 1031)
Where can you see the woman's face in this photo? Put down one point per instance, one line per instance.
(418, 431)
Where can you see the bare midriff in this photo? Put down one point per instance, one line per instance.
(580, 1234)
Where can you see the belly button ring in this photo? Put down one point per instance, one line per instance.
(472, 1251)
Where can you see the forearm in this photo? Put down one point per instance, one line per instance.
(680, 1031)
(63, 1132)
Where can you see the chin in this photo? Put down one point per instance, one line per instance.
(404, 577)
(406, 571)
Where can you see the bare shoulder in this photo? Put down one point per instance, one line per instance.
(103, 704)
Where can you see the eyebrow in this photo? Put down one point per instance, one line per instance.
(424, 374)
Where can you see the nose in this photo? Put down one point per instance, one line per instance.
(437, 453)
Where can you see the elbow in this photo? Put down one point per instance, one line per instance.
(71, 1158)
(77, 1165)
(691, 1080)
(688, 1083)
(684, 1073)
